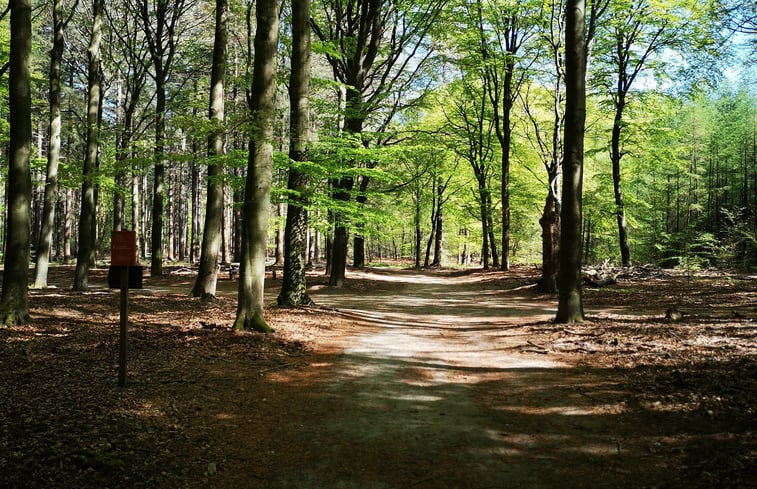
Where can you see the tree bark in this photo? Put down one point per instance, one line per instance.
(615, 156)
(160, 27)
(87, 224)
(358, 251)
(490, 227)
(483, 192)
(570, 297)
(550, 226)
(14, 307)
(279, 252)
(259, 170)
(338, 264)
(44, 245)
(207, 275)
(159, 176)
(417, 222)
(439, 226)
(293, 285)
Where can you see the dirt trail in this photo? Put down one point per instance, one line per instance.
(424, 388)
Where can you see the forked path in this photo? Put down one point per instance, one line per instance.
(424, 385)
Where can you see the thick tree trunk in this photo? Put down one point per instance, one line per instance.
(570, 302)
(207, 275)
(44, 246)
(14, 307)
(615, 156)
(259, 170)
(358, 251)
(293, 285)
(87, 219)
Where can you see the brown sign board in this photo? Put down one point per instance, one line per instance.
(123, 248)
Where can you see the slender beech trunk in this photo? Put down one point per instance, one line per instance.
(492, 241)
(259, 170)
(68, 226)
(293, 285)
(439, 226)
(160, 26)
(159, 177)
(87, 219)
(119, 197)
(484, 210)
(338, 263)
(44, 245)
(417, 222)
(506, 141)
(207, 276)
(432, 234)
(14, 307)
(358, 251)
(570, 297)
(615, 156)
(279, 251)
(194, 245)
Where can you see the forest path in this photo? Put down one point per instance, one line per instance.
(425, 384)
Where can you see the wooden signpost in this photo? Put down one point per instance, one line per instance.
(123, 254)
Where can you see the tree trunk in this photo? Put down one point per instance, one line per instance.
(570, 300)
(615, 156)
(207, 275)
(506, 141)
(67, 226)
(550, 244)
(490, 227)
(279, 252)
(122, 148)
(234, 231)
(14, 307)
(293, 285)
(358, 251)
(338, 264)
(194, 250)
(259, 170)
(87, 223)
(156, 243)
(317, 246)
(53, 153)
(417, 222)
(439, 228)
(482, 192)
(432, 234)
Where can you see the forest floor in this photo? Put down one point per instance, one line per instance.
(402, 379)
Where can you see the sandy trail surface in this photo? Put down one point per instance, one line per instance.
(422, 383)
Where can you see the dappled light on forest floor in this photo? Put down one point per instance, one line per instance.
(402, 379)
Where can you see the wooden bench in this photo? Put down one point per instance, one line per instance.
(232, 268)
